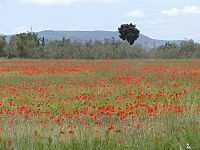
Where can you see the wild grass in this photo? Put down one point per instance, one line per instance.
(99, 105)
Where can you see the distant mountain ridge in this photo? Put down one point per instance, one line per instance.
(51, 35)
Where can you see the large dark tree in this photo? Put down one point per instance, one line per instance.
(129, 32)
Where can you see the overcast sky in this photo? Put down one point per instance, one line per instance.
(160, 19)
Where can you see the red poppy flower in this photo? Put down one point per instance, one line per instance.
(62, 132)
(71, 131)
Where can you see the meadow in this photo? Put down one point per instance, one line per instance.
(99, 104)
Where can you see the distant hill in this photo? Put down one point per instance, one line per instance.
(51, 35)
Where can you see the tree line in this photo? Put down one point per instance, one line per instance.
(30, 46)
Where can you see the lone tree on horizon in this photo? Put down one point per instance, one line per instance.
(129, 32)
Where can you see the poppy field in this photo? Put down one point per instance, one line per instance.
(99, 104)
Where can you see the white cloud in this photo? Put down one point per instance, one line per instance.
(186, 10)
(136, 14)
(171, 12)
(191, 10)
(65, 2)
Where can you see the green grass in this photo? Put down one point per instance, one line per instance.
(39, 109)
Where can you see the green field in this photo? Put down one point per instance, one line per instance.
(99, 104)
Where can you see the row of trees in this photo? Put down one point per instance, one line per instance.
(187, 49)
(28, 45)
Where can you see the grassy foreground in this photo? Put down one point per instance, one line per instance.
(99, 104)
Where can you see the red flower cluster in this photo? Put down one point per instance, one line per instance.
(98, 94)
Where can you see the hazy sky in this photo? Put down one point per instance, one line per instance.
(161, 19)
